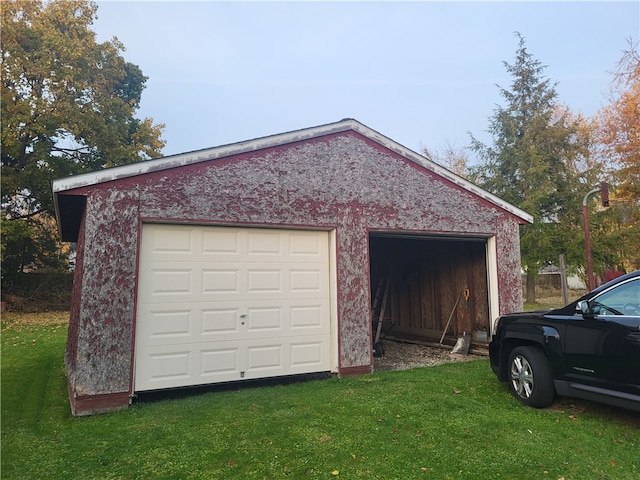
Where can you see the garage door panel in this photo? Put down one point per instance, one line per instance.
(166, 326)
(221, 362)
(223, 303)
(265, 358)
(187, 322)
(215, 324)
(262, 280)
(307, 246)
(165, 241)
(210, 362)
(220, 321)
(169, 365)
(286, 318)
(178, 366)
(297, 246)
(164, 281)
(292, 355)
(179, 241)
(307, 353)
(309, 317)
(225, 280)
(265, 243)
(307, 281)
(264, 319)
(221, 243)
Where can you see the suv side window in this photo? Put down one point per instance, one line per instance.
(623, 299)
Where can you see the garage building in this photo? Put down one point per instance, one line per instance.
(265, 258)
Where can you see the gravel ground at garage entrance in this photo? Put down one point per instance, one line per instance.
(400, 355)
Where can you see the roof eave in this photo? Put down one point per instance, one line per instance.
(126, 171)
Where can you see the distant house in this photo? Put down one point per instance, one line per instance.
(261, 259)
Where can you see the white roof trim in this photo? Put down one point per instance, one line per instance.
(189, 158)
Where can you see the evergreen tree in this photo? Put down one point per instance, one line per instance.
(538, 152)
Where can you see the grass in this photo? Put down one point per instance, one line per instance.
(551, 298)
(453, 421)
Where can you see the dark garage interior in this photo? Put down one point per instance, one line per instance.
(429, 282)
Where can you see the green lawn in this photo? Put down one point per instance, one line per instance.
(452, 421)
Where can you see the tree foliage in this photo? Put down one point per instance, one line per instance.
(619, 137)
(68, 106)
(537, 162)
(450, 157)
(31, 244)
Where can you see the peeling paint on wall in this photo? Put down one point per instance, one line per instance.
(342, 181)
(107, 298)
(509, 277)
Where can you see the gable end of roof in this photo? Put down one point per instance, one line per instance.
(60, 186)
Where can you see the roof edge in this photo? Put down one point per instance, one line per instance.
(197, 156)
(439, 170)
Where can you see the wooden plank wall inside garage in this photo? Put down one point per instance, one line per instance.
(427, 277)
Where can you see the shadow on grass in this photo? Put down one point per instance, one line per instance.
(193, 391)
(576, 406)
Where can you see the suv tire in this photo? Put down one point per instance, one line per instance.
(530, 377)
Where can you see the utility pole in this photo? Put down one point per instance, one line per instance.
(604, 193)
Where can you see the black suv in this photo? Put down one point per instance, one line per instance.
(589, 349)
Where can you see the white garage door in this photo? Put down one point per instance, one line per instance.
(218, 304)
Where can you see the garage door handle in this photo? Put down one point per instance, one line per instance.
(244, 315)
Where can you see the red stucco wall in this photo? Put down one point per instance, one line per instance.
(343, 181)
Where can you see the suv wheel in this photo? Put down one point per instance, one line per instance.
(530, 377)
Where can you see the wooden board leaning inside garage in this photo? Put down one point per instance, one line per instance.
(427, 278)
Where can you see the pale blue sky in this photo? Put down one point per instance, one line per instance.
(423, 73)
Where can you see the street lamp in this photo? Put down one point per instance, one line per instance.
(604, 193)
